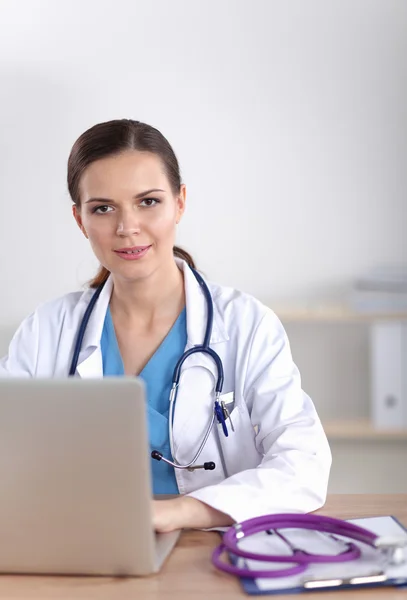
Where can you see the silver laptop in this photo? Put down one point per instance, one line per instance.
(75, 479)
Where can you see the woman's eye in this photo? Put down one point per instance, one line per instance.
(149, 202)
(102, 210)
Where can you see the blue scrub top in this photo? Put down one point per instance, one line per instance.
(157, 376)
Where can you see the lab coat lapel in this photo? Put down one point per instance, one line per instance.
(90, 362)
(194, 404)
(197, 311)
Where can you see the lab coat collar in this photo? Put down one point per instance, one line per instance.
(90, 360)
(94, 329)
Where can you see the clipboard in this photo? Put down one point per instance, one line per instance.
(366, 572)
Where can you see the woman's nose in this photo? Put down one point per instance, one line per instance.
(128, 224)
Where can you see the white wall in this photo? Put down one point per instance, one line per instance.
(289, 119)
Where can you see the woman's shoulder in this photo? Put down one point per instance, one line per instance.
(234, 303)
(43, 327)
(65, 306)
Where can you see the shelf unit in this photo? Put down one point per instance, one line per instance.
(333, 314)
(345, 429)
(361, 430)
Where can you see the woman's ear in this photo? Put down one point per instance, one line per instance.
(77, 216)
(181, 200)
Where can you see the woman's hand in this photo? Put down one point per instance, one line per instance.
(185, 512)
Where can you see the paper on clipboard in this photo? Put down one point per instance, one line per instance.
(315, 542)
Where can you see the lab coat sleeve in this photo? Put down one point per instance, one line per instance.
(21, 360)
(293, 473)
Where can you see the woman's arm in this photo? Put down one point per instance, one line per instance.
(185, 512)
(292, 475)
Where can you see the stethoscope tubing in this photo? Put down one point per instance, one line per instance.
(204, 349)
(175, 463)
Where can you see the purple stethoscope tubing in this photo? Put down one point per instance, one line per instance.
(301, 558)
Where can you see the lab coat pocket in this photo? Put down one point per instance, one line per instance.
(228, 400)
(238, 448)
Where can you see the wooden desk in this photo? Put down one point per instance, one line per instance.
(188, 573)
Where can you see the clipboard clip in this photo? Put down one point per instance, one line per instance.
(393, 549)
(334, 582)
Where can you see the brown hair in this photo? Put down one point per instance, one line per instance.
(114, 137)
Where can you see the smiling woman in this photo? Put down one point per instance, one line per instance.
(95, 159)
(239, 406)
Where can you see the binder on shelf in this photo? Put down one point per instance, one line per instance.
(388, 373)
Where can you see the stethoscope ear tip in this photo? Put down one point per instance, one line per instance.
(156, 455)
(209, 466)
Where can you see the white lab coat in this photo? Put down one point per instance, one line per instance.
(278, 458)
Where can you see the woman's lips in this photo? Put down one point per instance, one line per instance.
(133, 253)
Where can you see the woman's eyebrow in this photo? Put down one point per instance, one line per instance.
(140, 195)
(148, 192)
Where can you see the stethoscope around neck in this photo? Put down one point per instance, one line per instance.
(220, 412)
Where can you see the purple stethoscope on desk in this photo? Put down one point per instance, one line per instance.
(392, 549)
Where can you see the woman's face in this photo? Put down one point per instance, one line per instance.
(129, 213)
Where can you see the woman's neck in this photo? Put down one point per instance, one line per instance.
(159, 296)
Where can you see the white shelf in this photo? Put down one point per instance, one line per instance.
(332, 314)
(361, 430)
